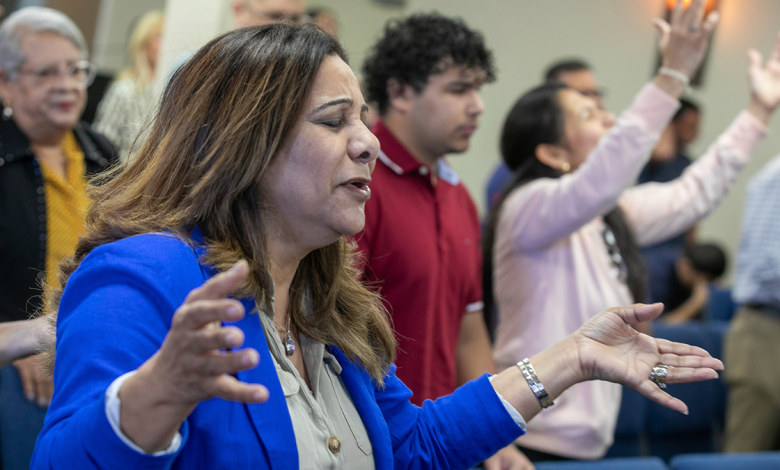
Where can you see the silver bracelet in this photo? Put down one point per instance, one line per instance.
(675, 74)
(533, 381)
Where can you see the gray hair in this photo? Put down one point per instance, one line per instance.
(34, 20)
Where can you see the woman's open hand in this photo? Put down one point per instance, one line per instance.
(764, 82)
(194, 363)
(608, 348)
(684, 40)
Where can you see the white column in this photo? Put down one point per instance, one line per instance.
(188, 25)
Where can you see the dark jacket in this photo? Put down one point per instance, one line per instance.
(23, 215)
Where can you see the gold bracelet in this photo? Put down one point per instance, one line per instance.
(533, 381)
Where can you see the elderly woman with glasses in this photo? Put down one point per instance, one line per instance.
(46, 155)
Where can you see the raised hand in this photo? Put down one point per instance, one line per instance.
(684, 40)
(764, 82)
(191, 366)
(609, 349)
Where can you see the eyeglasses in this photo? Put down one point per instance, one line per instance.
(81, 73)
(619, 266)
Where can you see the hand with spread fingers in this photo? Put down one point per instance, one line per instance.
(191, 366)
(764, 83)
(684, 40)
(607, 347)
(610, 349)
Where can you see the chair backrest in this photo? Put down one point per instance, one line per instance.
(753, 461)
(643, 463)
(720, 306)
(631, 425)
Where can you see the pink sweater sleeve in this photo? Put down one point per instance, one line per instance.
(658, 211)
(541, 212)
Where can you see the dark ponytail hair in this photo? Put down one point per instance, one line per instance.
(535, 119)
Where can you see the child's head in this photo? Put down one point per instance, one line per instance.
(703, 261)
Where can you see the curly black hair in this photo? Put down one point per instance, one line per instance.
(414, 48)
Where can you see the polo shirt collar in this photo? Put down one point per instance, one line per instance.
(395, 156)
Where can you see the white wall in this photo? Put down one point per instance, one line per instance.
(191, 23)
(188, 25)
(617, 38)
(361, 24)
(115, 19)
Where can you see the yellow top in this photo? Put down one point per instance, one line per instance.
(66, 206)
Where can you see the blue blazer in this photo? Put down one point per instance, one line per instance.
(114, 315)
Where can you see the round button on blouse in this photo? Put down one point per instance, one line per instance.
(334, 444)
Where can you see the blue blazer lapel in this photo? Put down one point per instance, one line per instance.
(270, 420)
(361, 389)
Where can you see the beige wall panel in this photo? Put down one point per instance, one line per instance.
(82, 12)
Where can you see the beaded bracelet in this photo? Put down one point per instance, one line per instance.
(533, 381)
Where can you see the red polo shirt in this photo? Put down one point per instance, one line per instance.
(422, 251)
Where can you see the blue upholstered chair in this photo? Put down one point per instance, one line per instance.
(752, 461)
(644, 463)
(720, 307)
(20, 422)
(630, 439)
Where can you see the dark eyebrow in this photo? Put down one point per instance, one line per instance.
(465, 83)
(333, 103)
(364, 109)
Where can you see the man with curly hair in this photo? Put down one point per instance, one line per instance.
(421, 242)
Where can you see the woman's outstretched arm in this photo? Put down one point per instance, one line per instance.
(657, 211)
(608, 348)
(461, 429)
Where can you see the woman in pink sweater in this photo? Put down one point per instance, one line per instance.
(563, 241)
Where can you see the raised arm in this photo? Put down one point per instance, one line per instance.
(189, 367)
(546, 210)
(657, 211)
(543, 211)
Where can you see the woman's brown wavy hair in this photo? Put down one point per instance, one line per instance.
(222, 120)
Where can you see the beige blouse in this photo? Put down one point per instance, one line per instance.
(323, 413)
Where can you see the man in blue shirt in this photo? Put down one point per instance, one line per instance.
(753, 344)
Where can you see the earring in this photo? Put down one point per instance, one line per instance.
(565, 167)
(7, 111)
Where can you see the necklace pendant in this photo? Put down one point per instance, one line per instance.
(289, 345)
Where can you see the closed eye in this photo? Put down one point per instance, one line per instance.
(333, 124)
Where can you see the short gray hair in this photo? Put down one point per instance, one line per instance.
(34, 20)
